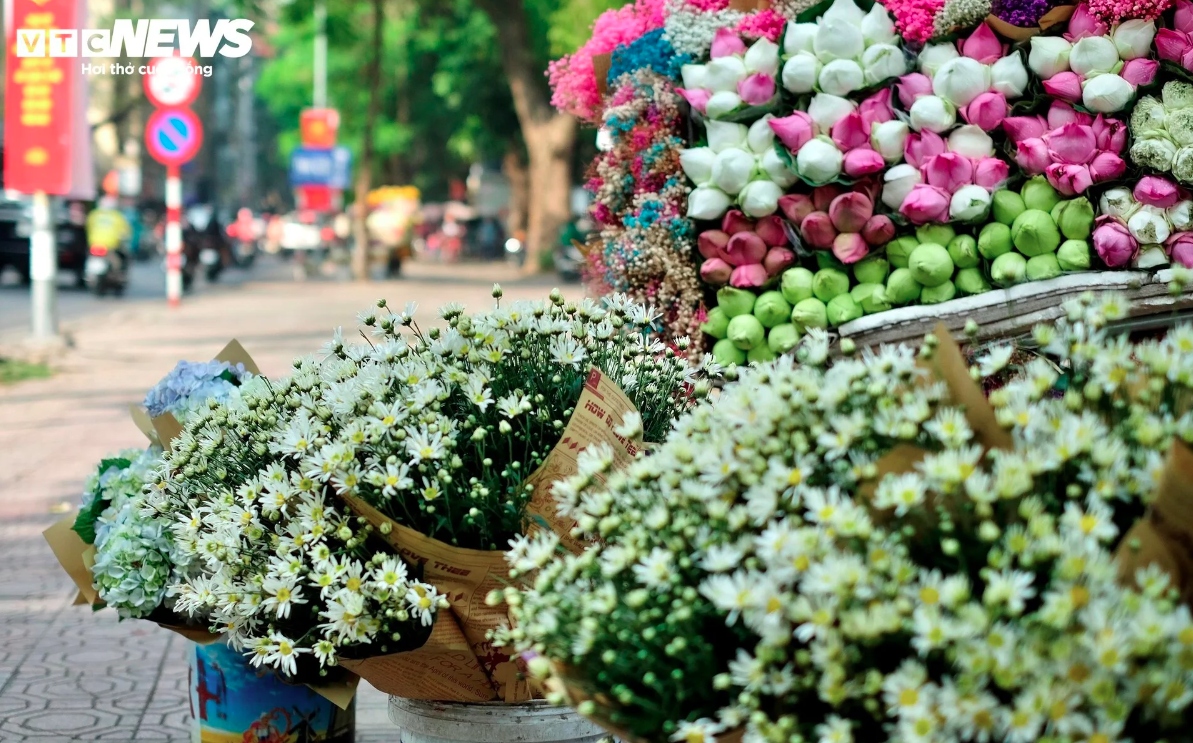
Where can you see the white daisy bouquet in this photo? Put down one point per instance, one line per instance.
(860, 552)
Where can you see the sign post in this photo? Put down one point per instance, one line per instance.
(43, 270)
(173, 236)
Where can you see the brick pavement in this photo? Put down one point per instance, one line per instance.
(65, 673)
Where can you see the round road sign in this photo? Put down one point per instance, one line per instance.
(173, 82)
(173, 135)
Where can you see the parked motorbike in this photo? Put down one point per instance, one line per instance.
(106, 270)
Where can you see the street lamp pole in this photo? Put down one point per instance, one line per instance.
(320, 54)
(43, 270)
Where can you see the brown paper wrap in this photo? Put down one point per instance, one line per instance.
(601, 64)
(1059, 14)
(1164, 536)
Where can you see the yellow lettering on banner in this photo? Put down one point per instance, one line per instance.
(35, 120)
(38, 90)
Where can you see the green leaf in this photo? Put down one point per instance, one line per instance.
(84, 524)
(817, 10)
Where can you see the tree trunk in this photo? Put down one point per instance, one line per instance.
(519, 180)
(549, 135)
(360, 252)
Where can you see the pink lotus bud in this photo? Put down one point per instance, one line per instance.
(1113, 242)
(1140, 71)
(698, 99)
(921, 146)
(991, 172)
(770, 229)
(757, 89)
(948, 171)
(778, 260)
(1061, 113)
(1111, 134)
(876, 109)
(913, 86)
(794, 131)
(712, 243)
(1070, 180)
(1064, 85)
(1106, 166)
(1183, 21)
(862, 161)
(1171, 45)
(850, 132)
(987, 110)
(734, 222)
(1072, 144)
(879, 230)
(822, 196)
(749, 276)
(1187, 57)
(850, 248)
(1084, 23)
(926, 204)
(715, 271)
(725, 43)
(818, 231)
(1156, 191)
(1032, 155)
(745, 248)
(982, 45)
(849, 212)
(1180, 248)
(796, 206)
(1024, 127)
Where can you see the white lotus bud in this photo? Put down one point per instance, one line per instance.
(1180, 216)
(877, 26)
(1118, 202)
(1049, 55)
(845, 10)
(1092, 55)
(732, 170)
(961, 80)
(971, 141)
(898, 182)
(1149, 225)
(883, 61)
(888, 139)
(827, 110)
(760, 137)
(838, 39)
(760, 198)
(841, 77)
(725, 134)
(933, 57)
(724, 73)
(695, 76)
(707, 202)
(801, 72)
(799, 37)
(697, 164)
(776, 168)
(819, 161)
(763, 56)
(1008, 75)
(722, 104)
(1133, 39)
(970, 204)
(932, 113)
(1106, 93)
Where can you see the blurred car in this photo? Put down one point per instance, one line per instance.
(70, 236)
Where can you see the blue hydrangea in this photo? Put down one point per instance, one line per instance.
(192, 383)
(651, 50)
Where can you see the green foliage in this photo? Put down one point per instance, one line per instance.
(13, 371)
(84, 524)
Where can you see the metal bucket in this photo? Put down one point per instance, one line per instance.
(490, 722)
(232, 702)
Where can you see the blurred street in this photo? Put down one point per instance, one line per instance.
(66, 674)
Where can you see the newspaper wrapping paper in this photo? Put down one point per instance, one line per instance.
(458, 663)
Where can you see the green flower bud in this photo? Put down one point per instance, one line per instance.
(939, 293)
(940, 234)
(1034, 233)
(746, 332)
(930, 264)
(1006, 205)
(810, 313)
(963, 249)
(727, 354)
(735, 301)
(783, 338)
(829, 283)
(971, 281)
(1074, 218)
(796, 284)
(994, 240)
(870, 297)
(1073, 255)
(760, 354)
(1008, 269)
(901, 287)
(1043, 267)
(899, 251)
(1039, 194)
(717, 324)
(771, 309)
(871, 270)
(842, 309)
(825, 259)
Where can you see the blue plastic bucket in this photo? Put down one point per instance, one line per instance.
(232, 702)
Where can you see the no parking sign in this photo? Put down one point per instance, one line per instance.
(173, 136)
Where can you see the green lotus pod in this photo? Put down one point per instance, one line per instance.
(939, 293)
(1039, 194)
(870, 297)
(898, 251)
(829, 283)
(727, 354)
(783, 338)
(810, 313)
(902, 288)
(994, 240)
(735, 301)
(1006, 205)
(1074, 218)
(717, 324)
(963, 249)
(1073, 255)
(771, 309)
(1034, 233)
(761, 354)
(1042, 267)
(842, 309)
(872, 270)
(971, 281)
(796, 284)
(930, 264)
(1008, 269)
(940, 234)
(746, 332)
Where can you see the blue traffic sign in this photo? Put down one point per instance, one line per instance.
(321, 167)
(173, 135)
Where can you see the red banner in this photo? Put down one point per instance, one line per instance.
(39, 99)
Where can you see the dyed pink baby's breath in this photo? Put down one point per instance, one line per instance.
(915, 19)
(1115, 11)
(708, 6)
(766, 24)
